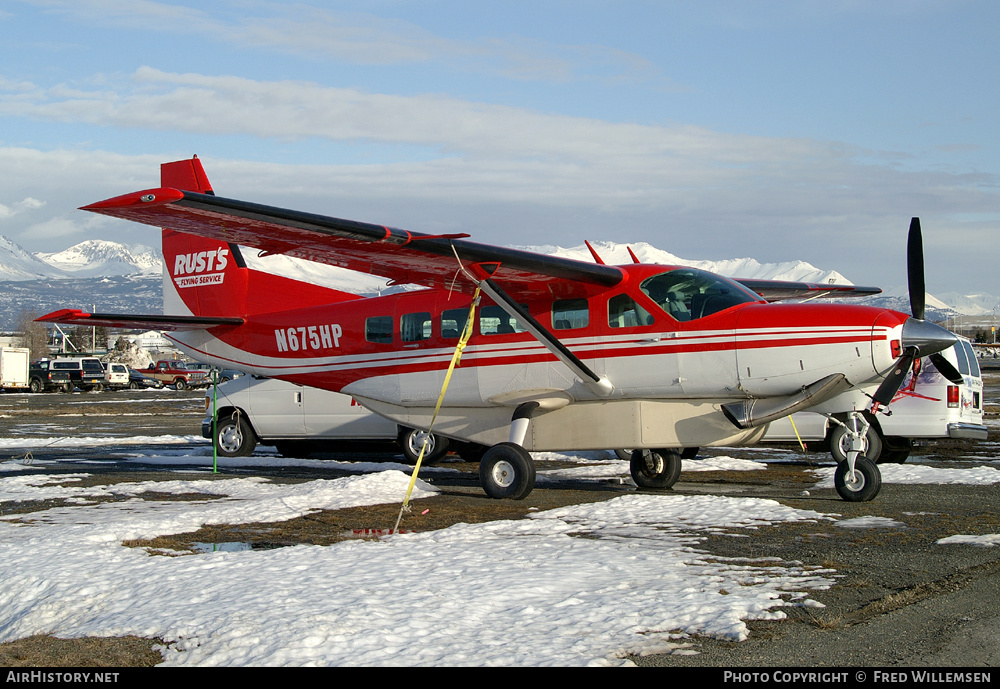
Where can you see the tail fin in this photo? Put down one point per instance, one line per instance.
(205, 277)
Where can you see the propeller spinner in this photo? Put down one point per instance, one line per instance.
(920, 337)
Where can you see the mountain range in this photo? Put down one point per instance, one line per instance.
(110, 276)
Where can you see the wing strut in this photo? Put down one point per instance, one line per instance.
(600, 385)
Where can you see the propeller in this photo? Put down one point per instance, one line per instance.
(919, 338)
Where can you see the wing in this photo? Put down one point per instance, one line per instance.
(779, 290)
(401, 256)
(126, 320)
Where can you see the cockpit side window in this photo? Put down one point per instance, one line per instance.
(687, 294)
(623, 312)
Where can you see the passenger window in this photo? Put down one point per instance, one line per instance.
(495, 321)
(414, 327)
(378, 329)
(623, 312)
(963, 361)
(453, 322)
(570, 313)
(973, 360)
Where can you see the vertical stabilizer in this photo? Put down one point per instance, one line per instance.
(186, 175)
(206, 277)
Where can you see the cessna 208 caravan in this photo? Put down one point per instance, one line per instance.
(562, 354)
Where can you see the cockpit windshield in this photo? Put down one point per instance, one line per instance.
(689, 293)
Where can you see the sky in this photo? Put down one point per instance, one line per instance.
(776, 129)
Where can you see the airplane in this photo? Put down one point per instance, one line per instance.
(561, 354)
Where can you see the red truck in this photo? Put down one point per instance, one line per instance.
(177, 373)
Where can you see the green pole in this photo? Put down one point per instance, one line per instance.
(215, 421)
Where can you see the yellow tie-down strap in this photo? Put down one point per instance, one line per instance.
(459, 348)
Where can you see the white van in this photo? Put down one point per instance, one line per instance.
(929, 407)
(299, 420)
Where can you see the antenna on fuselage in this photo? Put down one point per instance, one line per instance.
(593, 253)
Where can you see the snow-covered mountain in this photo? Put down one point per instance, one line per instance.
(616, 254)
(104, 259)
(100, 258)
(17, 264)
(92, 258)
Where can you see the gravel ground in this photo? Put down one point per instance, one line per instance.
(901, 600)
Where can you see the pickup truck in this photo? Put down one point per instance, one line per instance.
(177, 373)
(42, 377)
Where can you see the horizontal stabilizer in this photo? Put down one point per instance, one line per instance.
(128, 320)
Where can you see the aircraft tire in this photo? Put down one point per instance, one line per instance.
(411, 440)
(234, 437)
(660, 469)
(867, 483)
(507, 471)
(840, 444)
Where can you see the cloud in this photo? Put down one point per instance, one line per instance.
(27, 204)
(361, 38)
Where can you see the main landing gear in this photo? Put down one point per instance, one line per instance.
(506, 470)
(857, 478)
(655, 468)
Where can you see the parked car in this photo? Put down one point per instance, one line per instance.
(222, 375)
(926, 407)
(137, 380)
(42, 377)
(85, 372)
(300, 420)
(178, 374)
(116, 375)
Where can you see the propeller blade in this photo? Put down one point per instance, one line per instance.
(890, 386)
(915, 269)
(946, 369)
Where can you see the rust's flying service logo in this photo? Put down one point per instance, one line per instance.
(200, 269)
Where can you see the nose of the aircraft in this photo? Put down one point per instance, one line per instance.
(928, 338)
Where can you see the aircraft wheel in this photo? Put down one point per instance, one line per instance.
(234, 437)
(507, 471)
(866, 484)
(655, 468)
(412, 439)
(840, 444)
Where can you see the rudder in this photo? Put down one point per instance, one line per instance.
(206, 277)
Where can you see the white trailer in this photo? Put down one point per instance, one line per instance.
(14, 368)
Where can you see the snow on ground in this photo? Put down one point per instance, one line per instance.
(985, 540)
(575, 586)
(581, 585)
